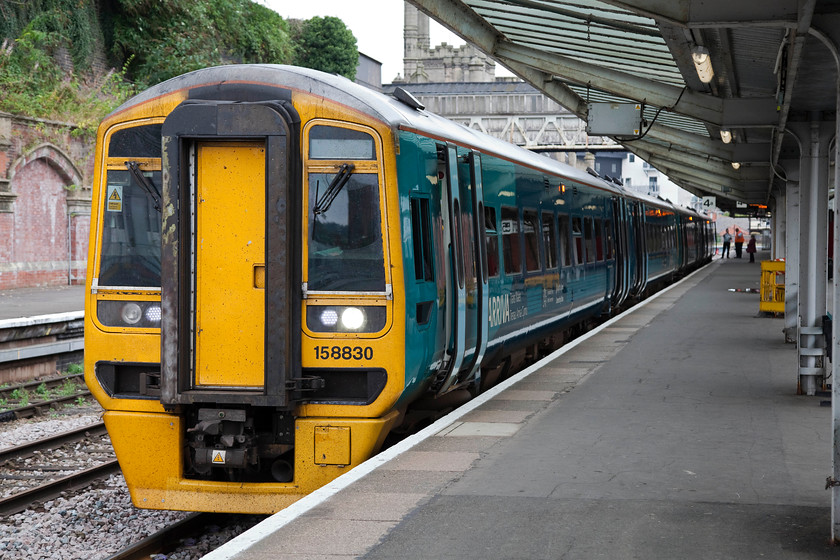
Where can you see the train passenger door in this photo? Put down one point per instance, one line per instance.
(230, 293)
(230, 264)
(466, 278)
(619, 227)
(637, 218)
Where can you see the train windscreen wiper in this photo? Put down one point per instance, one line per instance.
(144, 182)
(333, 189)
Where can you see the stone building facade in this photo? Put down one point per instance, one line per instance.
(46, 173)
(443, 63)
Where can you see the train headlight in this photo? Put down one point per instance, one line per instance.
(131, 313)
(353, 318)
(329, 317)
(136, 314)
(346, 318)
(152, 314)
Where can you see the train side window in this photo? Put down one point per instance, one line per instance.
(422, 239)
(530, 227)
(577, 236)
(590, 240)
(599, 239)
(565, 241)
(549, 240)
(492, 237)
(608, 235)
(510, 241)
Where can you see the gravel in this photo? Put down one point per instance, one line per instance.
(97, 522)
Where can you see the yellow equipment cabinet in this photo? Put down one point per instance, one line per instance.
(772, 287)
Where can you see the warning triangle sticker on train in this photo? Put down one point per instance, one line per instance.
(114, 195)
(219, 457)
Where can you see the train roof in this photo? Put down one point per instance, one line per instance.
(386, 108)
(383, 107)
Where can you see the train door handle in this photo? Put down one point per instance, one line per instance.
(259, 276)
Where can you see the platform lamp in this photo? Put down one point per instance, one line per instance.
(725, 135)
(703, 64)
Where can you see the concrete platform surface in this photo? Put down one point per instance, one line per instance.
(33, 302)
(674, 432)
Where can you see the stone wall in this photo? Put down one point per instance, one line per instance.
(46, 171)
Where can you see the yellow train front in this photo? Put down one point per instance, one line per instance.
(233, 378)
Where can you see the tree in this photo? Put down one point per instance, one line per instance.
(326, 44)
(158, 40)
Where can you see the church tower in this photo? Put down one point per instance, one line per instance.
(444, 63)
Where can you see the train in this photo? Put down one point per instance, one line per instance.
(287, 268)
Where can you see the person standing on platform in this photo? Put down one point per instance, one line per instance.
(751, 248)
(727, 238)
(739, 242)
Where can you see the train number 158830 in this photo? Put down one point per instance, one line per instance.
(343, 353)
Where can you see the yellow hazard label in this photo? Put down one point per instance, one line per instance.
(114, 195)
(218, 457)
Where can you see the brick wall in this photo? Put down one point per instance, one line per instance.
(45, 185)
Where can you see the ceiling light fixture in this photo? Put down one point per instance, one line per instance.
(703, 64)
(725, 135)
(736, 165)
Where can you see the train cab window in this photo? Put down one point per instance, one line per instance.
(136, 142)
(131, 223)
(511, 248)
(565, 240)
(331, 142)
(492, 237)
(599, 240)
(421, 226)
(530, 227)
(578, 254)
(590, 240)
(549, 240)
(344, 245)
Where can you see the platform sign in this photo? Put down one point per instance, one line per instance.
(709, 203)
(614, 119)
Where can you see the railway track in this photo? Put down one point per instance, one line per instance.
(41, 463)
(172, 536)
(34, 398)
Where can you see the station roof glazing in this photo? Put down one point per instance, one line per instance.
(775, 74)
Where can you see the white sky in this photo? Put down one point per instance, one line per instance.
(377, 25)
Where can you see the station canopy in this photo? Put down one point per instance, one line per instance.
(772, 63)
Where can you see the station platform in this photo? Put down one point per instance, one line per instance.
(23, 303)
(672, 431)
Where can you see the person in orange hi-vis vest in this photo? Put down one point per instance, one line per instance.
(739, 242)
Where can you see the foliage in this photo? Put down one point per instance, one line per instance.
(51, 60)
(326, 44)
(74, 369)
(32, 82)
(165, 39)
(72, 24)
